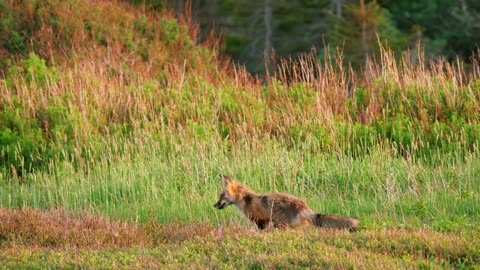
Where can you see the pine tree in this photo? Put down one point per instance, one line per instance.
(361, 29)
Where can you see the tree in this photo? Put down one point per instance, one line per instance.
(267, 14)
(291, 27)
(253, 28)
(447, 27)
(360, 30)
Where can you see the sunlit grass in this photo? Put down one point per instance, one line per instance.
(181, 182)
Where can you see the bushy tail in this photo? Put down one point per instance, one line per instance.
(336, 222)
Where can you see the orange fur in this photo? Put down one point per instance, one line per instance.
(281, 210)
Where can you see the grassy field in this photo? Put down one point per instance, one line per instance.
(415, 215)
(149, 182)
(116, 124)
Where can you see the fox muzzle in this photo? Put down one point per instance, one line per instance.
(220, 205)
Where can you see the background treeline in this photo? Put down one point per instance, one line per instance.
(447, 28)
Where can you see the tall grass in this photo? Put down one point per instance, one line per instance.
(124, 112)
(178, 179)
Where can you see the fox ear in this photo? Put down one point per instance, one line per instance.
(226, 180)
(229, 184)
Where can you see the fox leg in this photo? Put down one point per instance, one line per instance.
(280, 225)
(261, 224)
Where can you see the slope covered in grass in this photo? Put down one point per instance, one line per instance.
(76, 73)
(86, 70)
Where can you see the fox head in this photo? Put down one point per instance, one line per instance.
(227, 197)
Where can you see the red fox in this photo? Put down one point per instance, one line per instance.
(282, 210)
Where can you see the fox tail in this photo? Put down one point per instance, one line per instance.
(335, 222)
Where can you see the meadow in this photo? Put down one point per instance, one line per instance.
(116, 124)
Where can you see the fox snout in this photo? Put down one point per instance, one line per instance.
(220, 205)
(222, 202)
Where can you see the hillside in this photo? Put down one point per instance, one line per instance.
(78, 71)
(118, 111)
(75, 73)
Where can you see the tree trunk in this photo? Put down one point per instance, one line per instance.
(268, 32)
(364, 30)
(179, 8)
(338, 7)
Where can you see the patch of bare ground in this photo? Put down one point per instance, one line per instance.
(60, 229)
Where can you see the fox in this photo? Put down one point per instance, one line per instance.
(278, 209)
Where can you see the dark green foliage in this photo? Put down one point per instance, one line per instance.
(155, 4)
(31, 143)
(25, 140)
(33, 70)
(445, 27)
(22, 142)
(10, 38)
(235, 44)
(360, 33)
(361, 99)
(448, 26)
